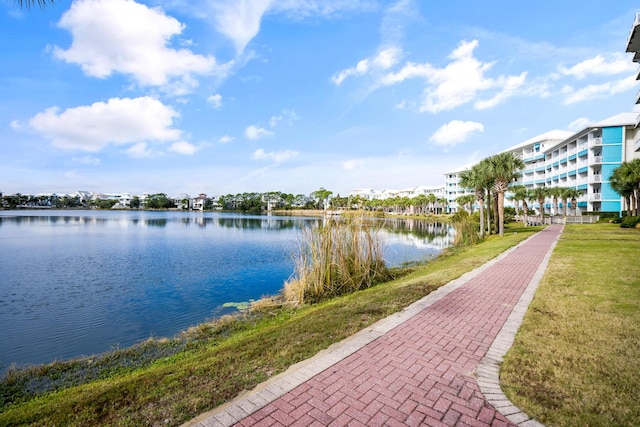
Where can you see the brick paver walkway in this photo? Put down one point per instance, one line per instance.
(423, 370)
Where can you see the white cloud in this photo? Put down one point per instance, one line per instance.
(15, 125)
(215, 100)
(457, 83)
(225, 139)
(275, 156)
(286, 116)
(254, 132)
(455, 131)
(384, 60)
(510, 85)
(119, 121)
(240, 20)
(595, 91)
(183, 147)
(353, 164)
(122, 36)
(140, 151)
(616, 63)
(579, 124)
(87, 160)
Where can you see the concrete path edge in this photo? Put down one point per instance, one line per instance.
(487, 376)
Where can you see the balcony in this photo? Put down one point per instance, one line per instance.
(596, 178)
(595, 197)
(596, 159)
(633, 42)
(595, 141)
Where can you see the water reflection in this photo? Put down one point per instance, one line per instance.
(80, 282)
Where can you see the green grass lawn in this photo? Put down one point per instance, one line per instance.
(576, 358)
(221, 360)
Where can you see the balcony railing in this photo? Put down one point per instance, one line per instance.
(595, 141)
(597, 159)
(595, 197)
(596, 178)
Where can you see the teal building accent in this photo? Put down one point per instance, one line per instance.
(612, 135)
(612, 153)
(610, 207)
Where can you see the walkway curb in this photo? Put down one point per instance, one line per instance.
(488, 372)
(267, 392)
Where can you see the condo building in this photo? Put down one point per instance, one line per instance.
(582, 160)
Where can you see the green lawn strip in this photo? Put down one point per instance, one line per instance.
(210, 372)
(576, 358)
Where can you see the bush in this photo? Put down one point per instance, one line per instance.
(630, 222)
(509, 215)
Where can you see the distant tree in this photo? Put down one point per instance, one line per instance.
(321, 196)
(432, 199)
(539, 194)
(573, 194)
(160, 201)
(135, 202)
(522, 193)
(556, 194)
(442, 202)
(466, 202)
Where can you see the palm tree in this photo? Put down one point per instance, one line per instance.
(622, 186)
(476, 180)
(573, 194)
(466, 202)
(504, 168)
(431, 199)
(442, 202)
(29, 3)
(521, 193)
(555, 193)
(539, 194)
(566, 193)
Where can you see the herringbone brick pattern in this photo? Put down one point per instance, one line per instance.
(422, 371)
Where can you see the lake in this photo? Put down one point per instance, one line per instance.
(84, 282)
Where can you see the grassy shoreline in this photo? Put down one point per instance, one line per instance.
(225, 358)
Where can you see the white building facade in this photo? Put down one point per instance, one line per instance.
(582, 160)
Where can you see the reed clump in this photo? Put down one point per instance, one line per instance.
(466, 229)
(338, 257)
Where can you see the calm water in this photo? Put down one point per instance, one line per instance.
(83, 282)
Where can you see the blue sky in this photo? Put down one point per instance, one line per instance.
(228, 96)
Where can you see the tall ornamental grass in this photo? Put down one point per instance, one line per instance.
(338, 257)
(466, 229)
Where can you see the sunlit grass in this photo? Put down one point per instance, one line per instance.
(220, 360)
(576, 358)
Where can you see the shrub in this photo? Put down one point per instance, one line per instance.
(630, 222)
(337, 257)
(509, 214)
